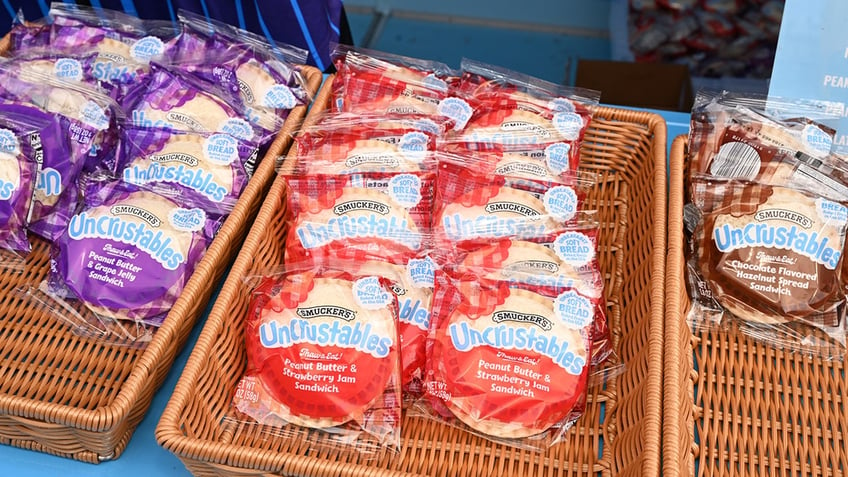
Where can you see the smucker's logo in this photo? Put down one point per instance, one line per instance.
(113, 57)
(143, 214)
(352, 205)
(519, 167)
(522, 126)
(246, 92)
(327, 312)
(521, 209)
(187, 120)
(785, 215)
(186, 159)
(530, 266)
(518, 317)
(379, 159)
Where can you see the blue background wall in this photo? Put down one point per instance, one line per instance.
(543, 38)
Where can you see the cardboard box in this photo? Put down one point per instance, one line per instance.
(644, 85)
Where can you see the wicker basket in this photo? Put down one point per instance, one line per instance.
(734, 406)
(82, 398)
(620, 432)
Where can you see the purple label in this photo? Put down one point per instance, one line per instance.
(124, 253)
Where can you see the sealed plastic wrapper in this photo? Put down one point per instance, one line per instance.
(771, 258)
(376, 82)
(381, 124)
(514, 109)
(565, 258)
(40, 138)
(349, 143)
(205, 169)
(473, 204)
(92, 117)
(382, 151)
(323, 352)
(267, 76)
(17, 182)
(545, 161)
(71, 67)
(178, 101)
(508, 362)
(123, 47)
(778, 142)
(381, 213)
(411, 277)
(129, 252)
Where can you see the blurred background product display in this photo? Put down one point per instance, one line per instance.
(719, 44)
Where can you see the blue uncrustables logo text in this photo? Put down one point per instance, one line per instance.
(811, 245)
(316, 234)
(6, 189)
(510, 337)
(144, 236)
(49, 182)
(358, 336)
(457, 227)
(193, 178)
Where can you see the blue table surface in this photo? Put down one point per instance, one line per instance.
(143, 456)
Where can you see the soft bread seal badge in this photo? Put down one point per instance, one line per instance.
(322, 351)
(508, 362)
(772, 254)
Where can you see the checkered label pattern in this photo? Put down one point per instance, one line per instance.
(358, 211)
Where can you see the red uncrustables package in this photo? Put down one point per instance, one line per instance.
(323, 352)
(508, 361)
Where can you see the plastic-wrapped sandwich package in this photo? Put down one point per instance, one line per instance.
(18, 175)
(85, 140)
(171, 99)
(123, 47)
(124, 259)
(206, 169)
(508, 361)
(265, 76)
(521, 116)
(345, 143)
(383, 83)
(323, 352)
(768, 216)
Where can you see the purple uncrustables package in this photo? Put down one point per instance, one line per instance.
(171, 99)
(270, 74)
(130, 251)
(267, 76)
(123, 46)
(43, 138)
(93, 117)
(17, 179)
(206, 169)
